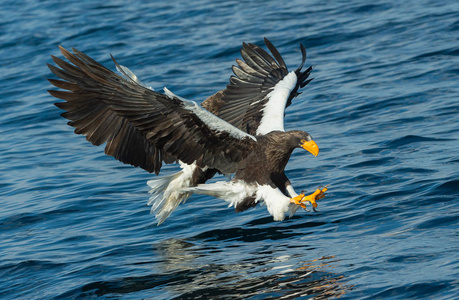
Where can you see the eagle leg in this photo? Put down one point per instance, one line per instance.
(312, 198)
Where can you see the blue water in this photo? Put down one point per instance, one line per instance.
(383, 108)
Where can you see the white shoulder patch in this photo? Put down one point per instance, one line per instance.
(210, 119)
(273, 112)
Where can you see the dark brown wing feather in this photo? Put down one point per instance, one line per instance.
(140, 126)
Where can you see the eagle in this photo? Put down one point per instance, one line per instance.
(238, 131)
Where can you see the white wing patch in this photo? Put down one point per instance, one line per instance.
(210, 119)
(131, 76)
(273, 112)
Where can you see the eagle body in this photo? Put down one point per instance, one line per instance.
(276, 148)
(238, 131)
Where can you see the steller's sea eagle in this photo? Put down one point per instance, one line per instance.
(238, 131)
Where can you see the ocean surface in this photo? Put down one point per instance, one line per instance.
(383, 108)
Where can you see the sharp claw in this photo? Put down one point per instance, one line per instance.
(320, 196)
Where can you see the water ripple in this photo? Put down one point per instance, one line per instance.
(382, 107)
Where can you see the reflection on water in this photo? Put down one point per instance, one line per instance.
(183, 270)
(261, 275)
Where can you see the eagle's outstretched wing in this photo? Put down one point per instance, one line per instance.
(260, 90)
(140, 126)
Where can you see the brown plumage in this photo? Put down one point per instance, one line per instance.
(140, 126)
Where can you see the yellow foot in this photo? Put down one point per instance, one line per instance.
(301, 198)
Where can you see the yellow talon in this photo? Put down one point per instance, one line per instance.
(317, 195)
(298, 200)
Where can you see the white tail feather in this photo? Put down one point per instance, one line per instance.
(168, 192)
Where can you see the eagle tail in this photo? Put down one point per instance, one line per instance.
(167, 192)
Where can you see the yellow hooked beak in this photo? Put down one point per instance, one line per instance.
(310, 146)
